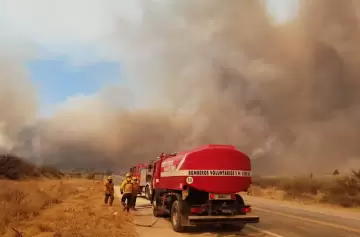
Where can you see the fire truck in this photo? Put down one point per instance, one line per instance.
(200, 186)
(137, 171)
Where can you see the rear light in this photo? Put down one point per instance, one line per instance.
(195, 209)
(233, 196)
(246, 209)
(211, 196)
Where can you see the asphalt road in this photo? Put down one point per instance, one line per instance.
(277, 219)
(295, 220)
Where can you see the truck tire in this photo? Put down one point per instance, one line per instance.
(238, 206)
(176, 217)
(155, 209)
(147, 193)
(155, 206)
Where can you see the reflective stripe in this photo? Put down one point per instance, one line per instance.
(218, 173)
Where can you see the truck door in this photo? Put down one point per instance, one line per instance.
(155, 177)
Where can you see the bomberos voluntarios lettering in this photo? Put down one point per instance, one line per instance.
(219, 173)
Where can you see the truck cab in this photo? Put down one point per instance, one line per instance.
(136, 171)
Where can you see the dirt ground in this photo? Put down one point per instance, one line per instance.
(61, 208)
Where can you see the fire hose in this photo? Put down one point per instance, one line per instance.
(143, 225)
(18, 233)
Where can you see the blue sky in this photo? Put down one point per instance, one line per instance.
(58, 78)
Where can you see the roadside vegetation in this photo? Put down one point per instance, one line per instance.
(45, 202)
(14, 168)
(334, 189)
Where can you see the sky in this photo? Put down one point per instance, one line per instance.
(57, 79)
(71, 43)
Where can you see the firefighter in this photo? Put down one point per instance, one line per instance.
(126, 189)
(135, 192)
(109, 191)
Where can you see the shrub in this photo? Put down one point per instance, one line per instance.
(343, 191)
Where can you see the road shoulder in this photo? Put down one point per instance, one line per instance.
(312, 208)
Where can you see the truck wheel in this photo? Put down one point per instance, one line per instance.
(147, 193)
(238, 207)
(239, 203)
(155, 209)
(239, 200)
(176, 217)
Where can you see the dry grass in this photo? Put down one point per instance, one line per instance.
(16, 168)
(62, 208)
(343, 191)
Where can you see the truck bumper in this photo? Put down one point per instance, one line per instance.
(198, 220)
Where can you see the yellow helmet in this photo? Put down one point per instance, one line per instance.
(128, 175)
(109, 178)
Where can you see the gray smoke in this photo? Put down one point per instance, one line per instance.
(220, 72)
(18, 103)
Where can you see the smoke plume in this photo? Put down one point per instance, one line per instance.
(18, 103)
(212, 71)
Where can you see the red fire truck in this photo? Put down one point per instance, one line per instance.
(136, 172)
(200, 186)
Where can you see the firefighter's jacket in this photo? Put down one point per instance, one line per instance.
(126, 186)
(109, 187)
(135, 187)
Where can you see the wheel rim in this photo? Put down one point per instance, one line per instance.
(174, 218)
